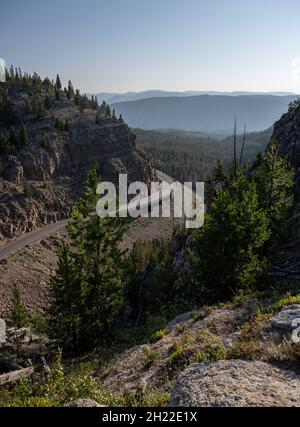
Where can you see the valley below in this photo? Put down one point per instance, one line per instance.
(144, 312)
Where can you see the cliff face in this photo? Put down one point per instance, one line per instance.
(110, 148)
(42, 180)
(287, 133)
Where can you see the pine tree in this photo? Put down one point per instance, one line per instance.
(7, 75)
(28, 106)
(16, 75)
(48, 102)
(57, 94)
(13, 137)
(67, 298)
(227, 253)
(5, 146)
(220, 174)
(104, 292)
(59, 124)
(82, 103)
(96, 105)
(58, 83)
(40, 109)
(36, 80)
(275, 181)
(108, 112)
(47, 84)
(102, 108)
(99, 277)
(12, 73)
(70, 92)
(19, 314)
(98, 239)
(24, 137)
(77, 97)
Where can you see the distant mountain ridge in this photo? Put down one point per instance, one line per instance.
(204, 112)
(112, 97)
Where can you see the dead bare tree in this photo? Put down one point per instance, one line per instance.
(234, 148)
(243, 145)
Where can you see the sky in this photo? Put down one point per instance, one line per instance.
(134, 45)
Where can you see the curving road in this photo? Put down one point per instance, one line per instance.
(41, 233)
(31, 237)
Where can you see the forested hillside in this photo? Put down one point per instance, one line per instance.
(187, 156)
(50, 137)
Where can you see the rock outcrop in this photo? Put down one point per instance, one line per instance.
(230, 337)
(284, 322)
(43, 179)
(235, 383)
(287, 133)
(84, 403)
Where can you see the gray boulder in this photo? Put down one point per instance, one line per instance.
(282, 322)
(84, 403)
(235, 383)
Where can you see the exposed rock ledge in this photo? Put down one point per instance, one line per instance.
(84, 403)
(235, 383)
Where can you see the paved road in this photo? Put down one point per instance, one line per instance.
(29, 238)
(47, 230)
(164, 177)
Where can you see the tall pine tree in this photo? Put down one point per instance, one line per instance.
(227, 252)
(275, 182)
(24, 137)
(97, 286)
(67, 299)
(70, 91)
(58, 83)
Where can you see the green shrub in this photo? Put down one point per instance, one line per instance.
(63, 386)
(212, 352)
(287, 300)
(38, 322)
(58, 389)
(181, 355)
(141, 398)
(19, 315)
(157, 335)
(150, 356)
(289, 351)
(245, 349)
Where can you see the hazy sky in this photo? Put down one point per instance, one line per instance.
(121, 45)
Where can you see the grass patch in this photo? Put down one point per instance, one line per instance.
(287, 300)
(63, 386)
(150, 356)
(158, 335)
(180, 357)
(289, 351)
(212, 352)
(140, 398)
(245, 349)
(213, 348)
